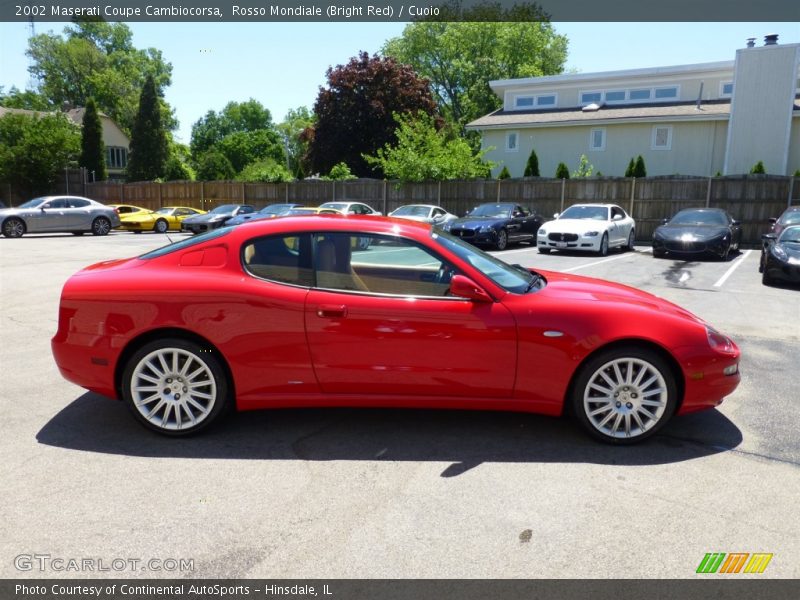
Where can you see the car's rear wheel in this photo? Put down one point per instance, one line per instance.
(502, 240)
(624, 395)
(13, 228)
(175, 387)
(544, 250)
(161, 226)
(101, 226)
(604, 245)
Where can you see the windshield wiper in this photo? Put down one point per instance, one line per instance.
(535, 279)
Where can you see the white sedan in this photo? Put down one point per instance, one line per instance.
(588, 227)
(351, 208)
(425, 213)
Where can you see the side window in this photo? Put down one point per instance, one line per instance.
(616, 211)
(56, 204)
(281, 258)
(78, 203)
(379, 265)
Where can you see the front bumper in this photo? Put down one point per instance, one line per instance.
(718, 248)
(475, 236)
(569, 241)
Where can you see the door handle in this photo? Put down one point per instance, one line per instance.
(331, 311)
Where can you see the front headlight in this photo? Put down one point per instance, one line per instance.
(591, 234)
(720, 342)
(779, 253)
(486, 229)
(542, 232)
(447, 226)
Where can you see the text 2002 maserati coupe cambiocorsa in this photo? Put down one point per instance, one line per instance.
(295, 312)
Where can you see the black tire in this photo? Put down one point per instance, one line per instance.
(659, 254)
(544, 250)
(13, 227)
(78, 233)
(761, 263)
(502, 240)
(631, 238)
(603, 245)
(101, 226)
(161, 226)
(766, 279)
(136, 231)
(163, 413)
(629, 398)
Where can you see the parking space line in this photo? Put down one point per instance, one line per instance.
(732, 268)
(597, 262)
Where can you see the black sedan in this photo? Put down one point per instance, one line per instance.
(780, 256)
(496, 224)
(698, 232)
(215, 218)
(791, 216)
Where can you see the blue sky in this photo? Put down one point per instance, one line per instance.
(282, 65)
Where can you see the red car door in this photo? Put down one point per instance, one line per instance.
(379, 322)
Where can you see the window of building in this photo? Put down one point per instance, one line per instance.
(615, 96)
(529, 101)
(662, 137)
(666, 92)
(524, 101)
(640, 94)
(511, 141)
(726, 88)
(597, 139)
(116, 157)
(590, 97)
(549, 100)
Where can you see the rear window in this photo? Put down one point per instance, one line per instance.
(187, 243)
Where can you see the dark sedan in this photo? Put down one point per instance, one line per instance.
(791, 216)
(268, 212)
(698, 232)
(780, 256)
(496, 225)
(215, 218)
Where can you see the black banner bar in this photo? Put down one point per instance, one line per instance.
(718, 587)
(399, 11)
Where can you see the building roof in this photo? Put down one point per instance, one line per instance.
(74, 114)
(676, 111)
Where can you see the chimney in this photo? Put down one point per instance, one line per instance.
(751, 42)
(66, 106)
(771, 39)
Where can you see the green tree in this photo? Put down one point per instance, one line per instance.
(95, 59)
(213, 166)
(93, 151)
(460, 58)
(28, 100)
(585, 168)
(355, 112)
(149, 148)
(245, 147)
(532, 167)
(247, 116)
(177, 170)
(34, 150)
(631, 168)
(266, 170)
(291, 131)
(341, 172)
(758, 169)
(639, 169)
(562, 171)
(504, 173)
(423, 152)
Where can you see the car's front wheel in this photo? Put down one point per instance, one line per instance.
(161, 226)
(502, 240)
(544, 250)
(13, 228)
(604, 245)
(631, 237)
(624, 395)
(175, 387)
(101, 226)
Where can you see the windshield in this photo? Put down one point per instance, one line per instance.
(493, 210)
(276, 209)
(32, 203)
(165, 211)
(225, 208)
(790, 235)
(337, 205)
(411, 211)
(187, 243)
(513, 279)
(699, 217)
(598, 213)
(790, 218)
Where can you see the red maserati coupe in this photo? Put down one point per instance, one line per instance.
(297, 312)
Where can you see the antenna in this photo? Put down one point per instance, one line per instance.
(700, 95)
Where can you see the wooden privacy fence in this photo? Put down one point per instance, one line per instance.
(751, 199)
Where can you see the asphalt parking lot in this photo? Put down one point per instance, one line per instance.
(393, 493)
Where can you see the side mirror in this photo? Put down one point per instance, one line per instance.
(664, 221)
(617, 218)
(464, 287)
(438, 218)
(769, 237)
(735, 223)
(555, 215)
(773, 220)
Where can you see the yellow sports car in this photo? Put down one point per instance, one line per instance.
(127, 210)
(160, 221)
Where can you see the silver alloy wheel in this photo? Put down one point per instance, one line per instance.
(604, 245)
(161, 226)
(625, 398)
(630, 240)
(173, 389)
(101, 226)
(502, 240)
(13, 228)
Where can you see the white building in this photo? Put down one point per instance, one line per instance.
(699, 119)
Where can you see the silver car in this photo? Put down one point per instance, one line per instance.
(426, 213)
(58, 213)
